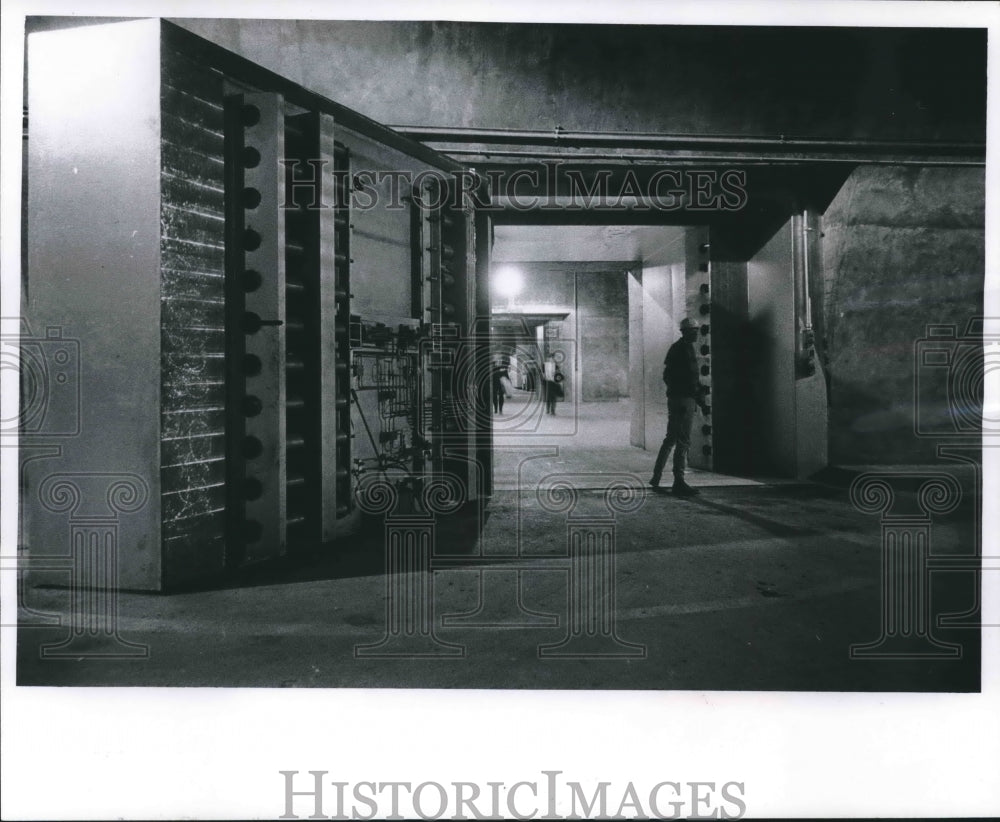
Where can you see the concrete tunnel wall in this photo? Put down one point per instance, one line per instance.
(903, 248)
(860, 84)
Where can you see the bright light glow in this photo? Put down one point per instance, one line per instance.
(507, 281)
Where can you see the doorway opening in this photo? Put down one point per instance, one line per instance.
(603, 304)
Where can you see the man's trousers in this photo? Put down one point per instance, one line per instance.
(680, 418)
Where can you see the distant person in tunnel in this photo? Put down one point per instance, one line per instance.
(552, 380)
(684, 393)
(501, 377)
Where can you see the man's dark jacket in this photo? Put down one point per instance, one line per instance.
(680, 371)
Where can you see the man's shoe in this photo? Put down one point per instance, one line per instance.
(657, 488)
(682, 489)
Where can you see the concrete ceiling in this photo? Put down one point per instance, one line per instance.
(588, 243)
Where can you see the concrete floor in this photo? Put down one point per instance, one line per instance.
(587, 440)
(750, 586)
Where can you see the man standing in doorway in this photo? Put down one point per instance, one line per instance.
(684, 392)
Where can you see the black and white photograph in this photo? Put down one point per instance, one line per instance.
(448, 411)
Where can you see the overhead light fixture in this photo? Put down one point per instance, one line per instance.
(508, 281)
